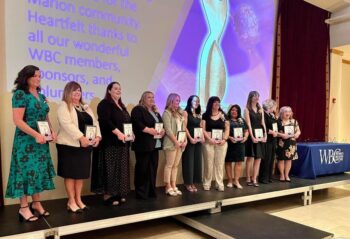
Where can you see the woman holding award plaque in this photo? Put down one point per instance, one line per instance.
(192, 156)
(174, 142)
(289, 132)
(79, 132)
(236, 147)
(148, 128)
(266, 167)
(254, 116)
(110, 172)
(216, 131)
(31, 170)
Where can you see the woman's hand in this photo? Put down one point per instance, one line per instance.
(96, 141)
(84, 142)
(54, 136)
(192, 140)
(40, 139)
(255, 141)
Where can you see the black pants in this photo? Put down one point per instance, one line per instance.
(266, 166)
(192, 164)
(146, 174)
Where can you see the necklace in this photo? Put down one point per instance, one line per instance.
(78, 107)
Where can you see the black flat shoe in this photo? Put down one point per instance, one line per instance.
(250, 184)
(69, 209)
(111, 201)
(85, 208)
(288, 180)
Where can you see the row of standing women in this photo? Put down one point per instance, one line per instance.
(32, 171)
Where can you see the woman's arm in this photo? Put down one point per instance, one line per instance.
(17, 115)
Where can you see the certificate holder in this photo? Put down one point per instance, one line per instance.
(259, 134)
(90, 133)
(44, 130)
(181, 136)
(198, 134)
(129, 135)
(289, 129)
(158, 127)
(274, 127)
(216, 134)
(238, 134)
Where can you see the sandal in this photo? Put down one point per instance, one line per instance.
(33, 210)
(21, 218)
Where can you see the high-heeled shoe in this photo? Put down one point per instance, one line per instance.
(33, 210)
(21, 218)
(69, 209)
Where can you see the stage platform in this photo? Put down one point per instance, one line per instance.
(247, 223)
(62, 223)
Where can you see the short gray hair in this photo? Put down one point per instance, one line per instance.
(268, 104)
(284, 109)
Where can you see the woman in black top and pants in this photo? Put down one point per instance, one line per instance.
(144, 116)
(266, 167)
(112, 164)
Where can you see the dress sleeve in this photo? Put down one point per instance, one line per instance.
(19, 99)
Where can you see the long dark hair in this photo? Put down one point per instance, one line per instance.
(238, 111)
(209, 109)
(189, 105)
(21, 82)
(109, 97)
(249, 100)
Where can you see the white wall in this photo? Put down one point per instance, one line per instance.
(340, 33)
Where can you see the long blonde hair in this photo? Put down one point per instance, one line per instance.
(67, 93)
(169, 105)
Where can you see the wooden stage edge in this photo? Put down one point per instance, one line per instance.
(61, 223)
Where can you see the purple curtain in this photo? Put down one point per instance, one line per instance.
(304, 47)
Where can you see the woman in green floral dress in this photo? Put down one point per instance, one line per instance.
(31, 170)
(286, 151)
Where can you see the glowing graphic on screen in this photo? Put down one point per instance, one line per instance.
(225, 48)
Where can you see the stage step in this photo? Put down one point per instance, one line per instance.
(247, 223)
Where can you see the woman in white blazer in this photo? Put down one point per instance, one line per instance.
(74, 148)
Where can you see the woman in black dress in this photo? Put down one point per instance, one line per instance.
(289, 132)
(148, 142)
(235, 146)
(192, 156)
(266, 167)
(113, 159)
(254, 116)
(73, 147)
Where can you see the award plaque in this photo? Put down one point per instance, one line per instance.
(216, 134)
(158, 127)
(90, 133)
(259, 134)
(44, 130)
(129, 135)
(238, 134)
(274, 127)
(181, 136)
(289, 129)
(198, 134)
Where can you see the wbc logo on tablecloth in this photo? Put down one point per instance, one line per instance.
(331, 156)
